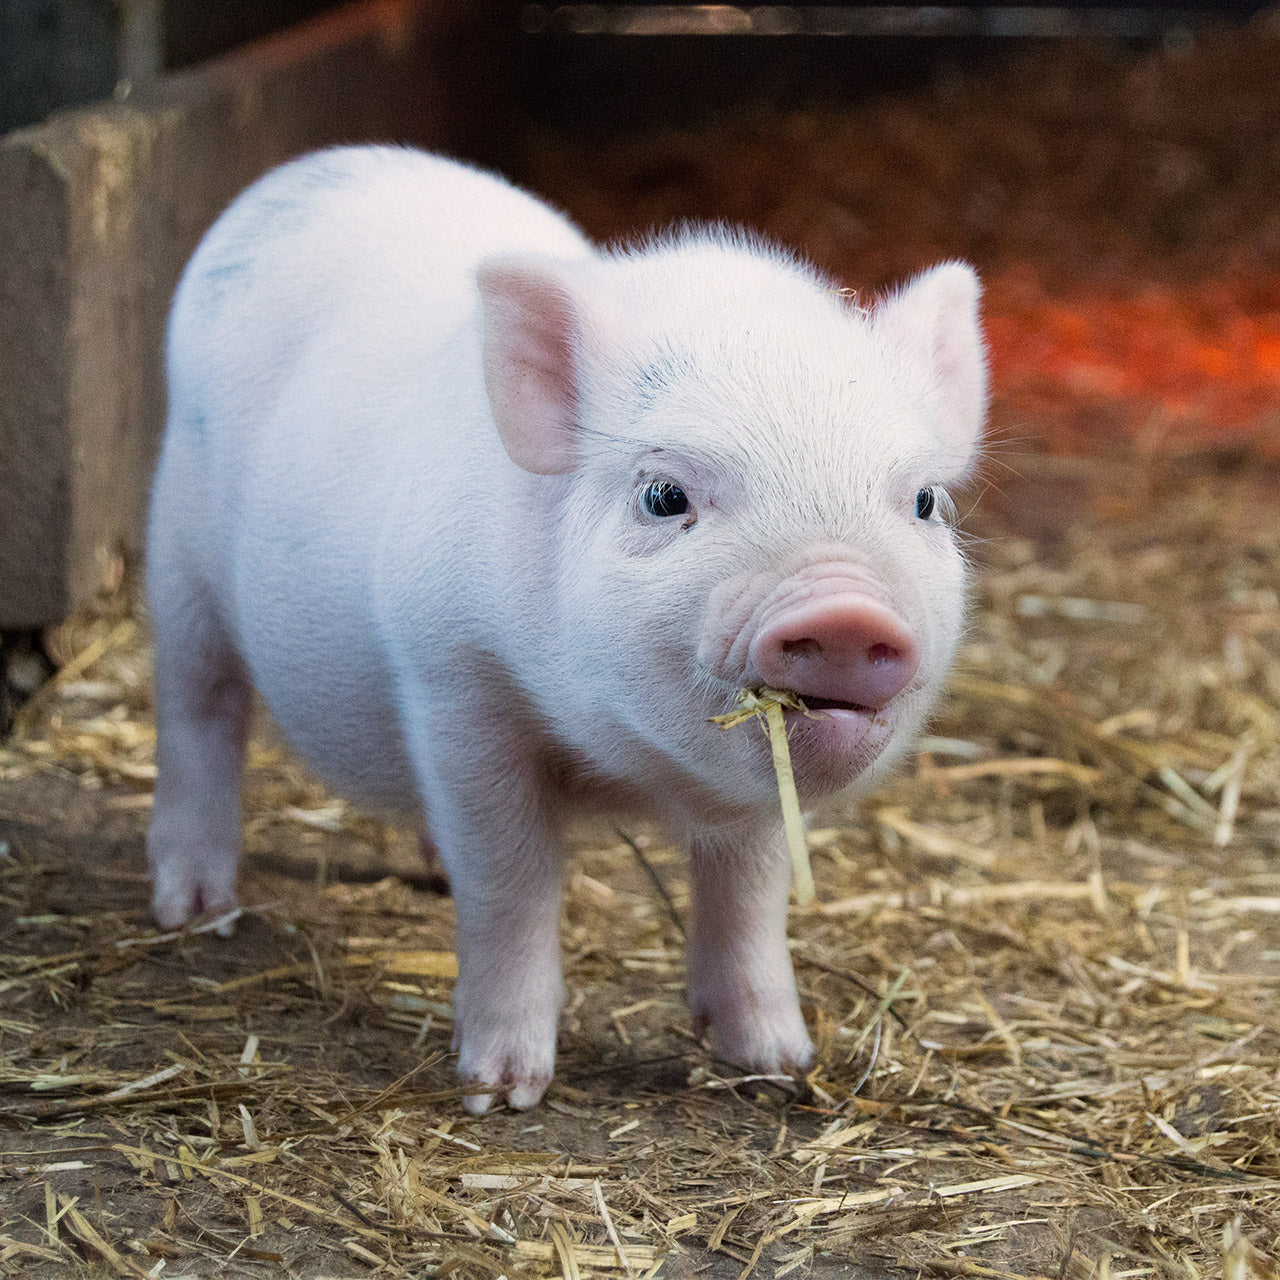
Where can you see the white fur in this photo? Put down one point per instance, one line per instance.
(358, 351)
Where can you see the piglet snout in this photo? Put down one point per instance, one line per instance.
(841, 648)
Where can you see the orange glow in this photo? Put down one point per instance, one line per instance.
(1193, 365)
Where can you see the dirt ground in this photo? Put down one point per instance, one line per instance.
(1043, 964)
(1041, 970)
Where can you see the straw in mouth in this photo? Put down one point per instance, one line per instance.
(769, 705)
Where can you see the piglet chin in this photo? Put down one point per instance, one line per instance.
(831, 748)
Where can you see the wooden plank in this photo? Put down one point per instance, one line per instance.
(100, 209)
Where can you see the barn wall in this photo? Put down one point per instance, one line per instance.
(100, 208)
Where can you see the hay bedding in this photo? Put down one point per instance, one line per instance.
(1042, 969)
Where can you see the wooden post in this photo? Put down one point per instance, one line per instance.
(99, 210)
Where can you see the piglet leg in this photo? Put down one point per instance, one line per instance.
(500, 847)
(203, 701)
(741, 983)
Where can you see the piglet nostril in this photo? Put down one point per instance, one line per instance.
(883, 653)
(802, 648)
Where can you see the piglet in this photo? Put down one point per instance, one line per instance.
(496, 520)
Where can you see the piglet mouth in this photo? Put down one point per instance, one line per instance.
(835, 704)
(833, 741)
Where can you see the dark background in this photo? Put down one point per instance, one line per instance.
(573, 70)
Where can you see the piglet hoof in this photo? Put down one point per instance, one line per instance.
(521, 1089)
(764, 1037)
(185, 885)
(519, 1096)
(514, 1062)
(172, 911)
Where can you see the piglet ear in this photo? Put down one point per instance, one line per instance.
(533, 331)
(932, 327)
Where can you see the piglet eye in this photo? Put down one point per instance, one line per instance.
(934, 503)
(664, 498)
